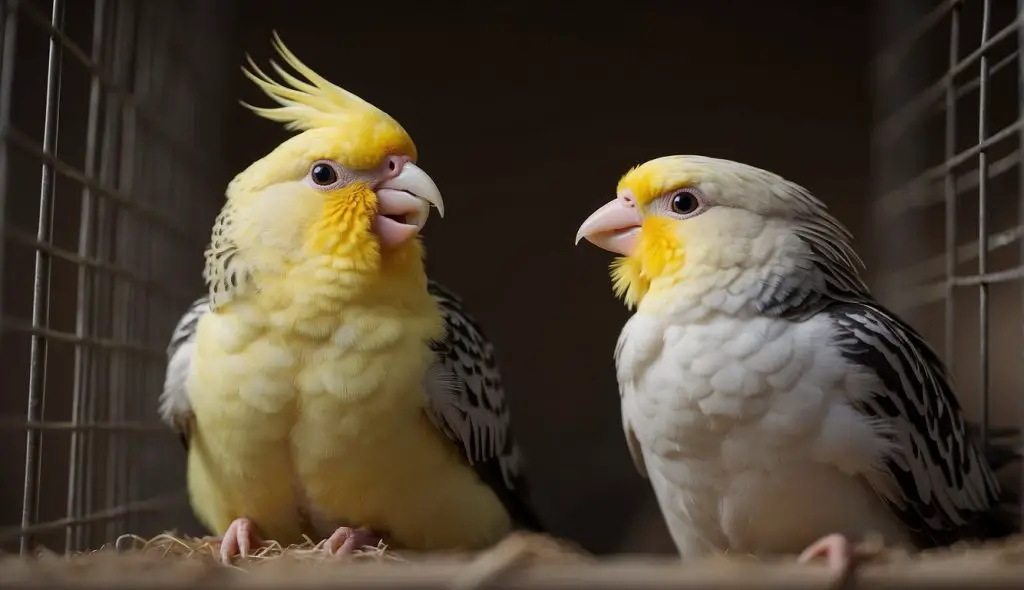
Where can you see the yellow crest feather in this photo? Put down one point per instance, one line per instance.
(316, 103)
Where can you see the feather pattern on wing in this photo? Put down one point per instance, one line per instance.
(947, 490)
(468, 405)
(945, 486)
(174, 406)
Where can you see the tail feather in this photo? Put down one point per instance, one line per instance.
(1005, 449)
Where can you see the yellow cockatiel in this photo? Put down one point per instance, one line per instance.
(325, 386)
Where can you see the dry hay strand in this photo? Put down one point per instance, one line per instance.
(169, 545)
(133, 559)
(529, 546)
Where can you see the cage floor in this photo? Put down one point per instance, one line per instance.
(521, 561)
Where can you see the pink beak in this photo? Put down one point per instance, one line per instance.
(614, 227)
(403, 205)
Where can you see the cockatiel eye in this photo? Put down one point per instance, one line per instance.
(683, 204)
(326, 175)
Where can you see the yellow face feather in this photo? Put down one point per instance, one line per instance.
(656, 177)
(659, 253)
(659, 249)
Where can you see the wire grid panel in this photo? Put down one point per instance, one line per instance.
(947, 163)
(111, 120)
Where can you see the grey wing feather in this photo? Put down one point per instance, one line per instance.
(946, 489)
(174, 406)
(467, 403)
(937, 480)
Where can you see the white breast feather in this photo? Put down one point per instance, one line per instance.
(722, 407)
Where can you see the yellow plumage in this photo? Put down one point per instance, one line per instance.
(307, 377)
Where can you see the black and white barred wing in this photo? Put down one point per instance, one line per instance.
(468, 405)
(941, 485)
(175, 409)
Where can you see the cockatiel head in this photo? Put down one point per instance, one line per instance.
(694, 224)
(345, 188)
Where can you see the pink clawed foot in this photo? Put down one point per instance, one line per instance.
(239, 539)
(346, 540)
(835, 549)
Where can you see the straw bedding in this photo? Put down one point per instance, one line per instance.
(523, 561)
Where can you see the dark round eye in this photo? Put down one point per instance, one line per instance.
(684, 203)
(323, 174)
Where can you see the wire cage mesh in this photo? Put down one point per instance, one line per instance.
(110, 170)
(947, 153)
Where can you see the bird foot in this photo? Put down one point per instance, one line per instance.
(836, 550)
(346, 540)
(239, 539)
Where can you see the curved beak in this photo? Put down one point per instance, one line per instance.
(403, 205)
(614, 227)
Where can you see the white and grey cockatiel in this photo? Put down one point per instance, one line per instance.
(774, 405)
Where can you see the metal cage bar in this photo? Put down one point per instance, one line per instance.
(41, 279)
(1020, 206)
(129, 148)
(950, 191)
(983, 300)
(927, 155)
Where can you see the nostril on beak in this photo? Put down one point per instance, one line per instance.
(393, 166)
(626, 197)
